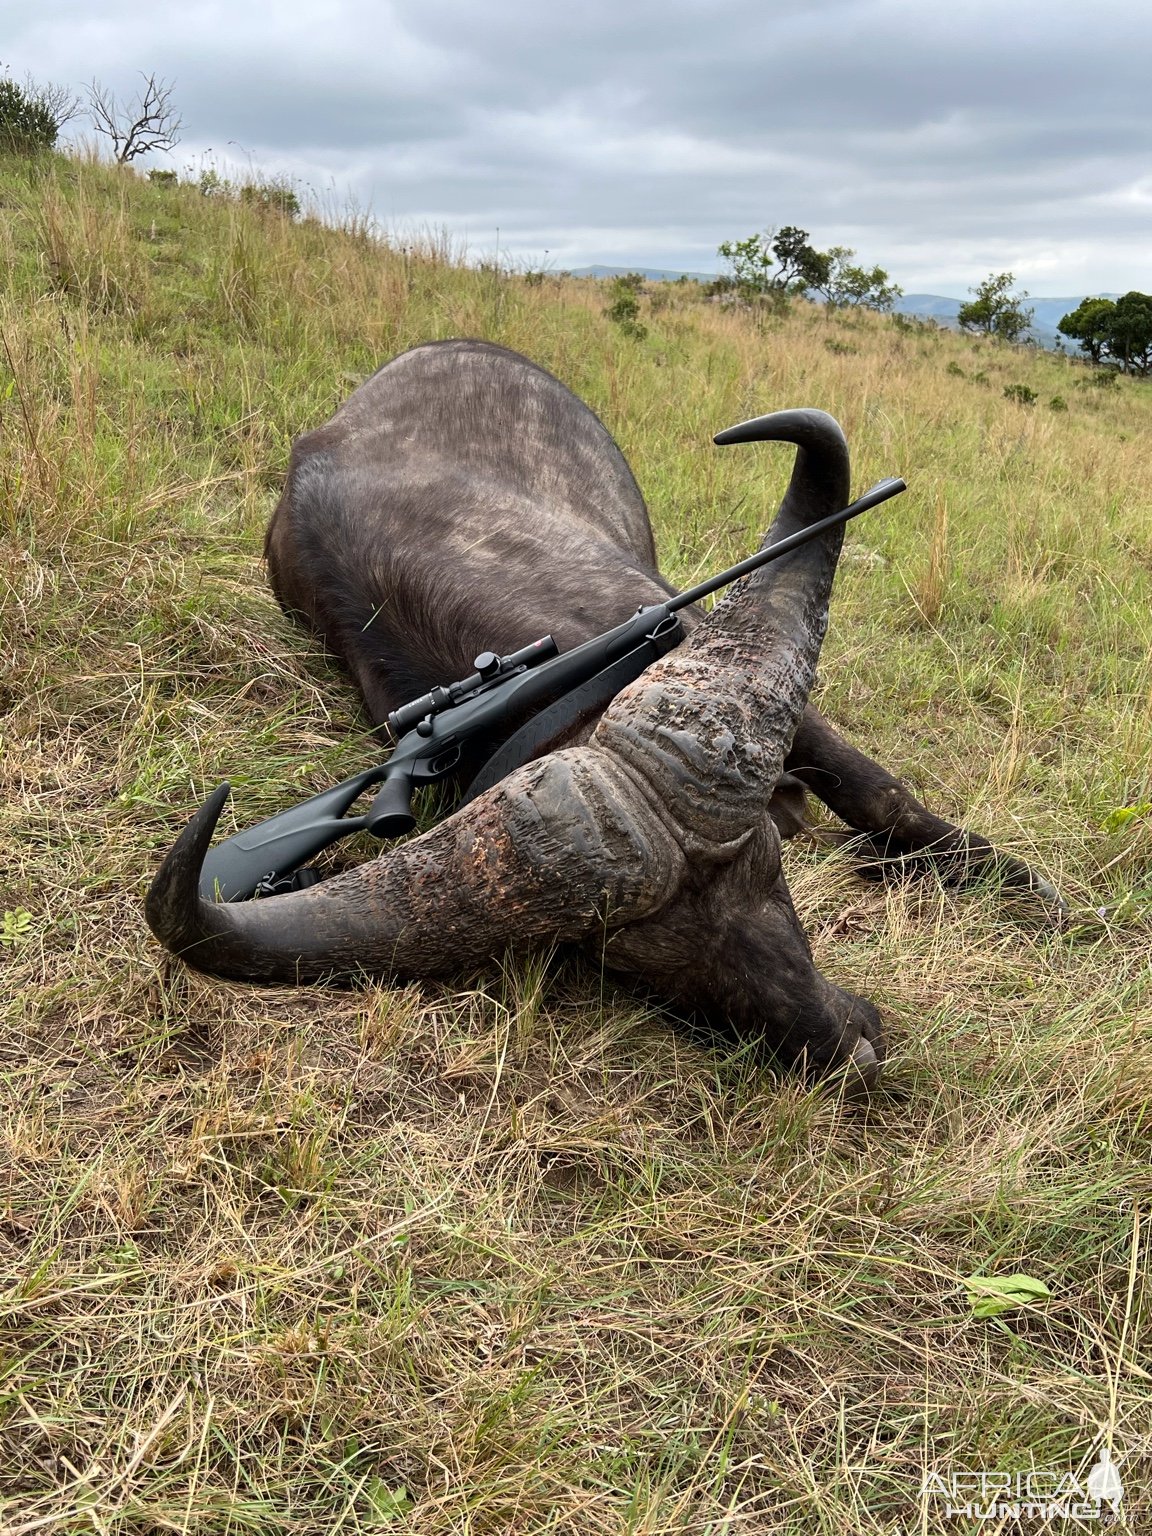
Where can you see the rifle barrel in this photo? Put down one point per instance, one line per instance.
(881, 491)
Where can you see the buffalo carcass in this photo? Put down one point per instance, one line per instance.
(462, 499)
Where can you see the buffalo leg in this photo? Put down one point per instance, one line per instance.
(892, 831)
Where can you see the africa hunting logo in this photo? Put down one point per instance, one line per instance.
(1036, 1495)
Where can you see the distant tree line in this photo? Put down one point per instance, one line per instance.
(1113, 332)
(779, 263)
(773, 266)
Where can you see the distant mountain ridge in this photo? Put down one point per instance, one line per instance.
(1046, 312)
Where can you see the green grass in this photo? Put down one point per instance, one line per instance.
(521, 1258)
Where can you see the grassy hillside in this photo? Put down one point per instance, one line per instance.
(519, 1257)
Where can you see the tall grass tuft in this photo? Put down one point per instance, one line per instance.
(931, 587)
(91, 251)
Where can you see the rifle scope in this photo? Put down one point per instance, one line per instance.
(489, 669)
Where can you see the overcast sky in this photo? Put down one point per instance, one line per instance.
(942, 141)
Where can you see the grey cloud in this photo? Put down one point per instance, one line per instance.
(942, 142)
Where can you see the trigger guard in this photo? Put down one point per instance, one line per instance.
(283, 885)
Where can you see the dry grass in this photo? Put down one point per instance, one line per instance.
(523, 1258)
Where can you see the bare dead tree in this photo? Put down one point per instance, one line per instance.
(149, 122)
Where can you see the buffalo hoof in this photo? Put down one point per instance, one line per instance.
(860, 1063)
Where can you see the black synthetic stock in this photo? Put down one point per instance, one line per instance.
(390, 814)
(237, 867)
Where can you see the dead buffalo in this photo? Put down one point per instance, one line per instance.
(463, 500)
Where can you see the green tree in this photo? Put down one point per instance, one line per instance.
(1130, 336)
(847, 284)
(996, 310)
(751, 264)
(1114, 330)
(773, 264)
(800, 265)
(1089, 324)
(27, 123)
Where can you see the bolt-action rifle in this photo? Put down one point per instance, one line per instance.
(535, 692)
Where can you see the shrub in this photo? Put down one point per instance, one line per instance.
(913, 325)
(624, 309)
(27, 124)
(162, 178)
(275, 196)
(212, 184)
(1021, 394)
(1057, 403)
(955, 370)
(1099, 378)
